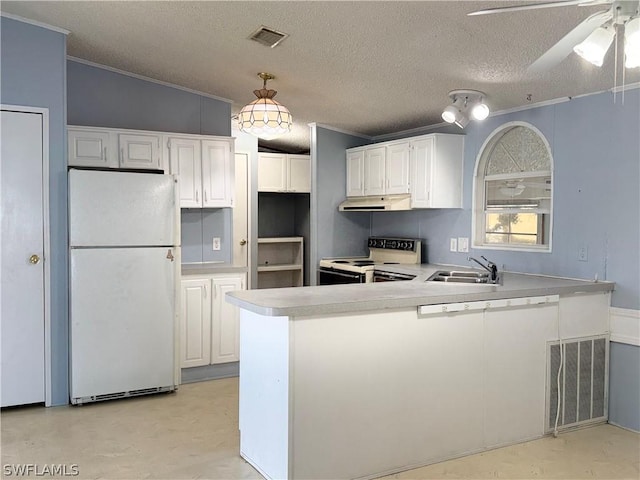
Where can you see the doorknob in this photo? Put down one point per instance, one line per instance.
(34, 259)
(243, 242)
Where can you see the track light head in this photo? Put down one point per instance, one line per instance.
(467, 105)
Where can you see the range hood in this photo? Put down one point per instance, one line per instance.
(376, 204)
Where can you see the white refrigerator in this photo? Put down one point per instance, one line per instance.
(124, 266)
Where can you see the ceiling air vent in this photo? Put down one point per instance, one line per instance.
(268, 36)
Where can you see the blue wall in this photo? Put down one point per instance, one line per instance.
(334, 233)
(33, 73)
(99, 97)
(103, 98)
(624, 385)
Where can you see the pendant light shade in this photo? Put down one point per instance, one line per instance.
(595, 46)
(264, 117)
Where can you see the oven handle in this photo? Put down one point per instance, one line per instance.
(340, 274)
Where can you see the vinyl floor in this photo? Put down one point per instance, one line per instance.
(193, 433)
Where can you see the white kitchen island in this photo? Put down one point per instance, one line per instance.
(358, 381)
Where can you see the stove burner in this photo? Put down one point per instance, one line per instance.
(362, 263)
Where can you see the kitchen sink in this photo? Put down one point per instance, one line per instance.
(453, 276)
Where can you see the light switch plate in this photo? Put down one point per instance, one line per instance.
(453, 244)
(216, 243)
(463, 244)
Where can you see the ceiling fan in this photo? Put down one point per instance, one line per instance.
(593, 36)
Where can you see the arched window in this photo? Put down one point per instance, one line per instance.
(513, 186)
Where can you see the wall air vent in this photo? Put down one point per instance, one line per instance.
(583, 381)
(268, 36)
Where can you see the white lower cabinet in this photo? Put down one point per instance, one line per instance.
(209, 326)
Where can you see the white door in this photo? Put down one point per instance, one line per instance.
(397, 168)
(217, 173)
(355, 173)
(241, 211)
(88, 148)
(195, 323)
(225, 325)
(139, 151)
(185, 159)
(122, 326)
(22, 326)
(299, 173)
(272, 172)
(374, 161)
(421, 166)
(121, 209)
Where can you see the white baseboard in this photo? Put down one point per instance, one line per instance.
(625, 325)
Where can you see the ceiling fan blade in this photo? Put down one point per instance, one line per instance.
(533, 6)
(564, 47)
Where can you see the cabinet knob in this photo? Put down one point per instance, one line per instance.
(34, 259)
(243, 242)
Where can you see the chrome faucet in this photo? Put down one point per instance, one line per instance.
(490, 267)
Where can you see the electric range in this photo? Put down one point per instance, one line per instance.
(382, 251)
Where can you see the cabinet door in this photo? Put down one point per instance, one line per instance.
(421, 165)
(139, 151)
(184, 158)
(355, 173)
(515, 345)
(272, 172)
(217, 174)
(195, 323)
(225, 330)
(88, 148)
(374, 171)
(299, 174)
(397, 168)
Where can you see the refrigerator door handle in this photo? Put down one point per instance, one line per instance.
(170, 255)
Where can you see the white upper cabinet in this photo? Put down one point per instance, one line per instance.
(204, 168)
(378, 170)
(374, 171)
(139, 150)
(299, 177)
(272, 172)
(185, 158)
(217, 174)
(397, 168)
(436, 171)
(284, 173)
(429, 167)
(355, 173)
(91, 148)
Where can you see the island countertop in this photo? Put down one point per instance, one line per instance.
(333, 299)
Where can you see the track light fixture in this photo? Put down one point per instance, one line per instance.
(467, 105)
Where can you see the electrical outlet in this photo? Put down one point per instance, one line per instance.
(463, 244)
(583, 253)
(216, 243)
(453, 244)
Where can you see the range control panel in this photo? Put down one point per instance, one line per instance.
(404, 244)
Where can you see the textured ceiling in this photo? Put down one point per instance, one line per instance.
(365, 67)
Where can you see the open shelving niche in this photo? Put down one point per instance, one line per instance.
(280, 262)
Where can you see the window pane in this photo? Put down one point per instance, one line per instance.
(524, 223)
(523, 239)
(496, 238)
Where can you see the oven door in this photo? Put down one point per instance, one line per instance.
(330, 276)
(391, 277)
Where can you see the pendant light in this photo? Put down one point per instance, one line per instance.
(632, 43)
(264, 117)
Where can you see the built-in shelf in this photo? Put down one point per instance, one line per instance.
(280, 262)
